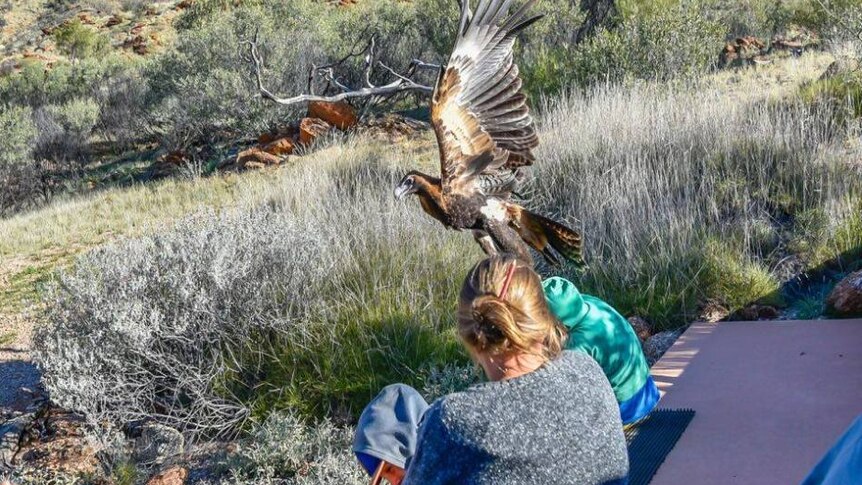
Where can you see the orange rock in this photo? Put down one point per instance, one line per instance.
(172, 476)
(282, 146)
(184, 5)
(340, 114)
(846, 299)
(311, 128)
(255, 155)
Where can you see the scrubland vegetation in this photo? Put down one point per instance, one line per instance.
(272, 305)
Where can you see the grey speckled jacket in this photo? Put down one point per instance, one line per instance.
(557, 425)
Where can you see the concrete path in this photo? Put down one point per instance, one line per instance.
(771, 397)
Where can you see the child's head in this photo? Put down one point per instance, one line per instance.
(386, 433)
(502, 310)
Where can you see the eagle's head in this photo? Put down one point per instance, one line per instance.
(408, 185)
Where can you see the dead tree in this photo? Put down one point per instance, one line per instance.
(334, 87)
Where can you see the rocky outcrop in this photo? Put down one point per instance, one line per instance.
(282, 146)
(311, 129)
(845, 300)
(157, 443)
(641, 327)
(757, 312)
(340, 115)
(712, 311)
(255, 157)
(658, 344)
(172, 476)
(795, 40)
(11, 433)
(741, 51)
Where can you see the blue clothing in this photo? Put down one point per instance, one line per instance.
(387, 427)
(641, 404)
(842, 464)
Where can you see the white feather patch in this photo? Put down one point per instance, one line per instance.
(494, 209)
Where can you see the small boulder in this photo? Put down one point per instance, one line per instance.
(10, 436)
(114, 20)
(312, 128)
(256, 156)
(157, 443)
(641, 327)
(340, 115)
(282, 146)
(658, 344)
(172, 476)
(845, 300)
(713, 311)
(757, 312)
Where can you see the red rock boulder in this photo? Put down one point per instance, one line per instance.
(846, 298)
(256, 158)
(311, 128)
(172, 476)
(340, 115)
(282, 146)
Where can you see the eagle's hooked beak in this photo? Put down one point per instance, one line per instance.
(401, 191)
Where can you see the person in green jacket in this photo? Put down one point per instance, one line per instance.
(594, 327)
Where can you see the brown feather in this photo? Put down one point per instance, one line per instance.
(478, 106)
(544, 234)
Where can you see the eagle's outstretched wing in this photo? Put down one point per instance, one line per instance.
(478, 111)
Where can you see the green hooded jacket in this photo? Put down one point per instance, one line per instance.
(596, 328)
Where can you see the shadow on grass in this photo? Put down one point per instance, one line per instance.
(335, 368)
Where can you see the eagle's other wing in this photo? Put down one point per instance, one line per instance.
(478, 111)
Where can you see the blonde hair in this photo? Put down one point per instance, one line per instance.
(494, 321)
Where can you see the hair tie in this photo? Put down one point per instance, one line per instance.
(508, 280)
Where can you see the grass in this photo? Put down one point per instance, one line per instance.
(696, 192)
(320, 288)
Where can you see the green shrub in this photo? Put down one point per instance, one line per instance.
(735, 280)
(842, 92)
(18, 172)
(17, 133)
(666, 44)
(36, 86)
(80, 42)
(77, 117)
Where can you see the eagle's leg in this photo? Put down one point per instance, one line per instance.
(485, 242)
(507, 239)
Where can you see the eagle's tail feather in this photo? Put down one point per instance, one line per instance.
(543, 234)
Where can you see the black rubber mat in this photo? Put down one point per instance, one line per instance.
(650, 441)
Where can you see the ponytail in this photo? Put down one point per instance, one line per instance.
(502, 309)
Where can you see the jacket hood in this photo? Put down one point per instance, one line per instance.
(388, 427)
(565, 301)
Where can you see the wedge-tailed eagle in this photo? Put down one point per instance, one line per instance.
(486, 135)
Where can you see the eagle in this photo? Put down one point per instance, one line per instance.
(485, 136)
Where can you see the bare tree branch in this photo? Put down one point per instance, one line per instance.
(401, 84)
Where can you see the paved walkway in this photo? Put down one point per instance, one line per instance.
(770, 397)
